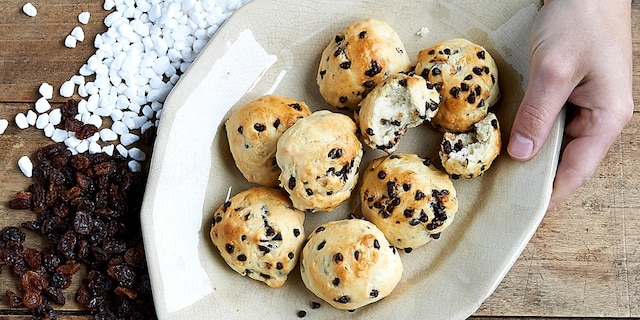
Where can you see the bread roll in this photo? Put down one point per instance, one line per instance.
(466, 76)
(350, 264)
(357, 59)
(259, 234)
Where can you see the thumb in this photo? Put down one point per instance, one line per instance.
(550, 85)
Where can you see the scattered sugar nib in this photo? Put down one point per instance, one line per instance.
(46, 90)
(83, 17)
(423, 32)
(4, 123)
(26, 166)
(70, 41)
(21, 121)
(78, 33)
(29, 9)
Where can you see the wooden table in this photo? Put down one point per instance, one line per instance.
(583, 261)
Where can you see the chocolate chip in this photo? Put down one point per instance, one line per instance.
(321, 245)
(338, 257)
(403, 82)
(369, 84)
(276, 123)
(259, 127)
(343, 99)
(335, 153)
(455, 92)
(382, 174)
(480, 54)
(369, 131)
(242, 257)
(240, 129)
(373, 293)
(229, 248)
(373, 70)
(362, 34)
(336, 281)
(477, 70)
(343, 299)
(436, 71)
(345, 65)
(292, 183)
(296, 232)
(296, 106)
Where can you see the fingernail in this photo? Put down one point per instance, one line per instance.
(520, 148)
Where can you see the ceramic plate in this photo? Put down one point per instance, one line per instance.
(274, 47)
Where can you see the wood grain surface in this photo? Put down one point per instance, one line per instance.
(583, 261)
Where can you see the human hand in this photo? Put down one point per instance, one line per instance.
(580, 53)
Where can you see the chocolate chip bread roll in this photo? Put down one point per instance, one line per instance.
(320, 158)
(408, 199)
(253, 131)
(466, 76)
(401, 101)
(357, 59)
(259, 234)
(350, 264)
(468, 155)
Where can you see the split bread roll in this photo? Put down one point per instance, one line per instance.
(400, 102)
(468, 155)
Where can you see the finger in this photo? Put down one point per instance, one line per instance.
(576, 167)
(550, 84)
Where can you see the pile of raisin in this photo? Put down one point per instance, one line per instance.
(87, 207)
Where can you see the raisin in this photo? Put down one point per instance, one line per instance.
(12, 234)
(14, 299)
(55, 295)
(33, 258)
(31, 300)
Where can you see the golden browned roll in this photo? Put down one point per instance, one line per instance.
(350, 264)
(253, 131)
(466, 76)
(259, 234)
(408, 199)
(400, 102)
(320, 158)
(357, 59)
(470, 154)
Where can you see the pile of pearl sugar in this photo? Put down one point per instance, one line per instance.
(138, 60)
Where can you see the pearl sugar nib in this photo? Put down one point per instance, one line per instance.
(29, 9)
(4, 123)
(83, 17)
